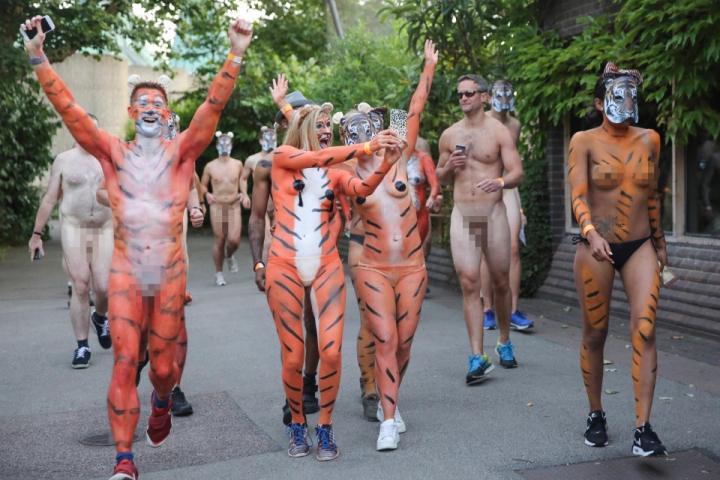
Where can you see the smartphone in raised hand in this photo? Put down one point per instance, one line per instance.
(47, 26)
(398, 123)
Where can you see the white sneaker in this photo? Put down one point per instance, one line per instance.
(388, 438)
(232, 264)
(402, 428)
(219, 279)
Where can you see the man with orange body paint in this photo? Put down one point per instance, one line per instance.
(147, 182)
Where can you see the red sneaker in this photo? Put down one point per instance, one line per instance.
(159, 423)
(125, 470)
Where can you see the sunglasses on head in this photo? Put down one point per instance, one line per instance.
(468, 93)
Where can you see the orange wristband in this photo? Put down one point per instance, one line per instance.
(502, 182)
(367, 148)
(588, 228)
(287, 108)
(234, 59)
(258, 266)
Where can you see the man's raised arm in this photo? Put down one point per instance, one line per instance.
(81, 126)
(202, 127)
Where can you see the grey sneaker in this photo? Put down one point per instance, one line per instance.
(326, 446)
(370, 406)
(299, 446)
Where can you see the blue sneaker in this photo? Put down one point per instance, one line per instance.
(326, 446)
(298, 440)
(490, 320)
(480, 367)
(507, 354)
(518, 321)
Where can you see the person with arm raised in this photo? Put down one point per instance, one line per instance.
(147, 184)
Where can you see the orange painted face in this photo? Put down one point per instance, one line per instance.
(149, 112)
(324, 129)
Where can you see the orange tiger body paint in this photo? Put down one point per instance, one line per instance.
(613, 172)
(147, 189)
(391, 276)
(304, 253)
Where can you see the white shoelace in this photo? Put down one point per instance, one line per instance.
(105, 329)
(81, 352)
(387, 430)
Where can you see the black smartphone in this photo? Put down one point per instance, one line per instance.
(38, 255)
(47, 26)
(460, 147)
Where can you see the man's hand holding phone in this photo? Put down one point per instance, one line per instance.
(457, 158)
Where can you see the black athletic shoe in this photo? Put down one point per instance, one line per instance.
(596, 431)
(180, 407)
(141, 365)
(102, 327)
(310, 403)
(287, 414)
(81, 359)
(646, 442)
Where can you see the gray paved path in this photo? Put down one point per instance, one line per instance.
(455, 431)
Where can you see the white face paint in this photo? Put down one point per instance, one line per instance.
(224, 145)
(621, 99)
(149, 106)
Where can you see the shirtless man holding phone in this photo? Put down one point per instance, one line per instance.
(474, 153)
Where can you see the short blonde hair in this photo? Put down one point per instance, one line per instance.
(301, 132)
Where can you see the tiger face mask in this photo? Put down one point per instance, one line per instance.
(359, 128)
(621, 99)
(269, 140)
(503, 97)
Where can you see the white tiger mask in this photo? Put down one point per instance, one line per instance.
(621, 99)
(503, 97)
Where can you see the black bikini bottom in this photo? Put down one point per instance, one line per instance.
(621, 252)
(360, 239)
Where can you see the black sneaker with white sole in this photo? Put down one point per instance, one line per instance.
(596, 431)
(102, 327)
(81, 358)
(646, 442)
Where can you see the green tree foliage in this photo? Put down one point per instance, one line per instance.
(27, 123)
(377, 70)
(292, 40)
(287, 40)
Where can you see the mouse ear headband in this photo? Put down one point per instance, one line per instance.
(163, 82)
(219, 134)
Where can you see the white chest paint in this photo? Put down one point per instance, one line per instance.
(307, 228)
